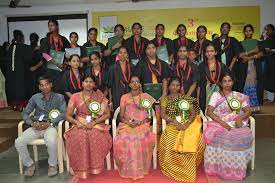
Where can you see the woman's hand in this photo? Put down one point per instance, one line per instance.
(79, 125)
(117, 45)
(225, 125)
(239, 123)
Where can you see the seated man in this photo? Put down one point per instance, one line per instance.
(49, 109)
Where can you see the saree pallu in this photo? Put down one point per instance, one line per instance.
(87, 149)
(250, 87)
(133, 149)
(181, 166)
(227, 152)
(3, 97)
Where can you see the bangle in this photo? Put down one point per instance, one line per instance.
(168, 119)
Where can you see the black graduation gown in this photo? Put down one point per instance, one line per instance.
(168, 42)
(88, 44)
(16, 81)
(183, 74)
(54, 74)
(111, 59)
(270, 70)
(129, 44)
(101, 80)
(145, 74)
(176, 43)
(204, 73)
(67, 82)
(197, 48)
(117, 83)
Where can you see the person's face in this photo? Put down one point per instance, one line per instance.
(225, 29)
(268, 30)
(95, 60)
(52, 27)
(135, 83)
(119, 32)
(182, 53)
(227, 83)
(248, 33)
(151, 50)
(210, 52)
(33, 39)
(174, 87)
(92, 36)
(122, 54)
(75, 62)
(181, 31)
(88, 84)
(160, 31)
(74, 39)
(201, 33)
(45, 86)
(137, 30)
(192, 55)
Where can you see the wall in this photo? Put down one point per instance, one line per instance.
(267, 13)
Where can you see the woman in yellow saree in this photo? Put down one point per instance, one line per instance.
(181, 148)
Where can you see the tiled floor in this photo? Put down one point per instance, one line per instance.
(9, 173)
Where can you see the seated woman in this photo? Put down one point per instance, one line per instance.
(88, 141)
(134, 144)
(180, 148)
(228, 138)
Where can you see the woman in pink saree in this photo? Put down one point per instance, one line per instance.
(135, 142)
(88, 140)
(228, 137)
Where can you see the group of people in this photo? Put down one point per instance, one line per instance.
(222, 78)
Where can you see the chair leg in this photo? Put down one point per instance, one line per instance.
(108, 161)
(35, 153)
(60, 156)
(253, 163)
(155, 158)
(20, 165)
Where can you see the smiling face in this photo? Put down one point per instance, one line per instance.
(160, 31)
(182, 53)
(88, 84)
(151, 50)
(95, 60)
(75, 62)
(137, 30)
(135, 83)
(225, 29)
(248, 33)
(210, 52)
(123, 54)
(74, 39)
(174, 87)
(92, 35)
(201, 33)
(181, 31)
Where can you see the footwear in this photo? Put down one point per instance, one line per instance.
(29, 172)
(52, 171)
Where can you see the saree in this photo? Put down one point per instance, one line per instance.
(87, 148)
(176, 164)
(228, 151)
(3, 97)
(133, 147)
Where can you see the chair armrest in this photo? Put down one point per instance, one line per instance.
(163, 121)
(154, 122)
(114, 122)
(20, 128)
(67, 126)
(252, 125)
(59, 128)
(106, 121)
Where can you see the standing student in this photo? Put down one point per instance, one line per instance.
(74, 44)
(18, 68)
(201, 43)
(119, 76)
(187, 71)
(228, 48)
(37, 68)
(210, 73)
(92, 42)
(111, 52)
(153, 70)
(270, 65)
(97, 71)
(71, 79)
(136, 44)
(160, 40)
(250, 68)
(182, 40)
(54, 41)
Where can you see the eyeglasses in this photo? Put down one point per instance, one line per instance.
(135, 82)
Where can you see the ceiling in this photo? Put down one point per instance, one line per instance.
(59, 2)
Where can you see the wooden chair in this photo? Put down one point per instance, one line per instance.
(114, 128)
